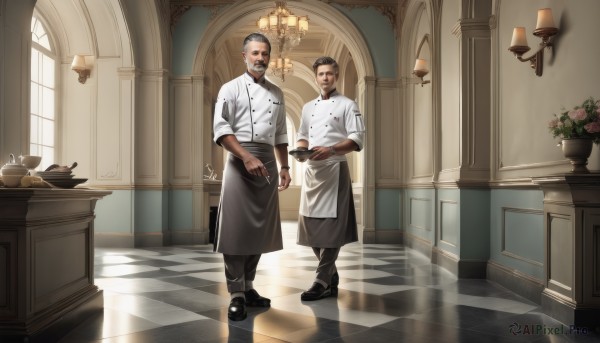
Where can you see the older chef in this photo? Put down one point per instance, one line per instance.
(332, 126)
(250, 123)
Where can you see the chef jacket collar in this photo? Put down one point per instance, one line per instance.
(328, 95)
(261, 79)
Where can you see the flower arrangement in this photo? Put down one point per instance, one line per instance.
(580, 122)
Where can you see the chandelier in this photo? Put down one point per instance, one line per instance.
(281, 67)
(283, 27)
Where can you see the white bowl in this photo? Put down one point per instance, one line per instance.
(31, 161)
(12, 180)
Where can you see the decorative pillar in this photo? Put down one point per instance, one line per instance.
(15, 72)
(474, 36)
(572, 248)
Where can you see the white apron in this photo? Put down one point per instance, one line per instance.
(319, 195)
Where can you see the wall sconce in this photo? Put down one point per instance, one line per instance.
(80, 68)
(421, 70)
(544, 29)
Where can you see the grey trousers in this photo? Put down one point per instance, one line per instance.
(326, 267)
(240, 271)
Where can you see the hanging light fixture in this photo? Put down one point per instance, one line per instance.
(283, 27)
(281, 67)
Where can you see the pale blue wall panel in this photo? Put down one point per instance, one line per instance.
(151, 211)
(475, 224)
(420, 213)
(523, 235)
(449, 214)
(516, 217)
(114, 213)
(387, 209)
(180, 210)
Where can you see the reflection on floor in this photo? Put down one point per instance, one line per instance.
(387, 293)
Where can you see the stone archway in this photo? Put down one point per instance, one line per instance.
(349, 36)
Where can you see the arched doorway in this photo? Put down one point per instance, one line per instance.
(218, 59)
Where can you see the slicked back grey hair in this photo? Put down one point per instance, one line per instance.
(256, 37)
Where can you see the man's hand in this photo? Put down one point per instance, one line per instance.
(284, 179)
(322, 153)
(254, 166)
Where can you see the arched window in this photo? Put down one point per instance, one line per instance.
(43, 95)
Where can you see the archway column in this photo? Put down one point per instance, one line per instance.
(366, 102)
(15, 58)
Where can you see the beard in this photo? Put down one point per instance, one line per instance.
(258, 67)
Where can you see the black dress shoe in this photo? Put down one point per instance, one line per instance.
(256, 300)
(335, 281)
(315, 292)
(237, 309)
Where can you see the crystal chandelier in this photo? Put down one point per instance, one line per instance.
(281, 67)
(283, 27)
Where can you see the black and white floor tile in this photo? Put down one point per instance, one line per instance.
(387, 293)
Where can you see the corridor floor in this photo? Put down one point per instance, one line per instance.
(387, 293)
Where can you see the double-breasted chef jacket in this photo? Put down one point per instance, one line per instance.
(326, 122)
(248, 220)
(252, 111)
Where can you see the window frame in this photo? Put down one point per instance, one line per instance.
(54, 55)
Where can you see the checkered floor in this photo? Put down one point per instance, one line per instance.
(387, 293)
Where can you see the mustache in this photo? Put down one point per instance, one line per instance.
(262, 64)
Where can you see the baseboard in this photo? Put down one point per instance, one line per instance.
(154, 239)
(381, 236)
(567, 312)
(189, 237)
(517, 282)
(445, 260)
(462, 268)
(419, 244)
(113, 240)
(118, 240)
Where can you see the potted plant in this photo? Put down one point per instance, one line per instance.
(579, 129)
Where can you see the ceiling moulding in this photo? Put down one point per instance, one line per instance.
(179, 7)
(388, 8)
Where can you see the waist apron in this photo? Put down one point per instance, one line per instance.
(332, 232)
(248, 220)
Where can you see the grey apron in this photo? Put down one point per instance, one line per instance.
(248, 220)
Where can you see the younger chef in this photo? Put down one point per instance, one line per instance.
(332, 126)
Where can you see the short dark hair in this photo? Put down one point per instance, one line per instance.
(326, 60)
(256, 37)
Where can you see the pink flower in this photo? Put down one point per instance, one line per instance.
(592, 127)
(553, 123)
(578, 114)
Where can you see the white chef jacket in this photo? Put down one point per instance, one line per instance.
(326, 122)
(252, 111)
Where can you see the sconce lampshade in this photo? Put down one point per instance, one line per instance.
(544, 19)
(80, 68)
(421, 68)
(421, 65)
(78, 63)
(518, 37)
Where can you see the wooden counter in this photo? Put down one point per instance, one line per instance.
(46, 261)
